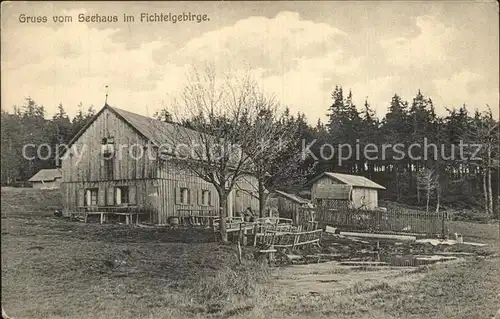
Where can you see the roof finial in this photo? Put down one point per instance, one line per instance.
(106, 100)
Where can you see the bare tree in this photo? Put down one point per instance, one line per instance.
(216, 121)
(274, 150)
(483, 151)
(427, 180)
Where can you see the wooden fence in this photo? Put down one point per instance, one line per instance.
(291, 239)
(392, 220)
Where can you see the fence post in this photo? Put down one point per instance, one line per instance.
(393, 221)
(442, 226)
(255, 230)
(295, 240)
(239, 252)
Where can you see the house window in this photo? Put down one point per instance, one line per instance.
(108, 140)
(91, 196)
(205, 197)
(107, 152)
(121, 195)
(184, 196)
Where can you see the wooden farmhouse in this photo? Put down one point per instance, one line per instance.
(46, 178)
(346, 190)
(139, 179)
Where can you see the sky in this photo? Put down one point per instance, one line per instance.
(297, 52)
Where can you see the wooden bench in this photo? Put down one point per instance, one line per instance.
(128, 211)
(270, 253)
(129, 217)
(197, 217)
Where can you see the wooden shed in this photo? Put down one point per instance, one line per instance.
(355, 191)
(47, 178)
(291, 205)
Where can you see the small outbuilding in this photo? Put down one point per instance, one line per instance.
(352, 190)
(290, 205)
(47, 178)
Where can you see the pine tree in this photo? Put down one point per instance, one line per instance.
(60, 131)
(423, 126)
(62, 125)
(395, 131)
(163, 115)
(336, 111)
(369, 134)
(33, 131)
(81, 118)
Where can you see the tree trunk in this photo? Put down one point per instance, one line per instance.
(262, 198)
(398, 187)
(490, 191)
(428, 198)
(418, 194)
(223, 215)
(438, 195)
(485, 192)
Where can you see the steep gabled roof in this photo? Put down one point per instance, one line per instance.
(157, 132)
(352, 180)
(46, 175)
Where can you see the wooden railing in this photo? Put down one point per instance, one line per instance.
(291, 240)
(110, 209)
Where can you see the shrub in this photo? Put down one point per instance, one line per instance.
(242, 281)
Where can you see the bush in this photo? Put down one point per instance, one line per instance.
(18, 184)
(242, 281)
(470, 216)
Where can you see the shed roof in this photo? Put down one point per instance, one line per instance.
(46, 175)
(352, 180)
(294, 198)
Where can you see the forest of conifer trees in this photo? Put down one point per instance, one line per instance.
(442, 173)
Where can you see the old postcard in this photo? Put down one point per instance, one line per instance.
(248, 159)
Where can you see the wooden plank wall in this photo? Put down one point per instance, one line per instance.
(172, 177)
(246, 194)
(319, 184)
(84, 167)
(365, 197)
(85, 163)
(138, 192)
(289, 209)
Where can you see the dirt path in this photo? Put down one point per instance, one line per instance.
(331, 277)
